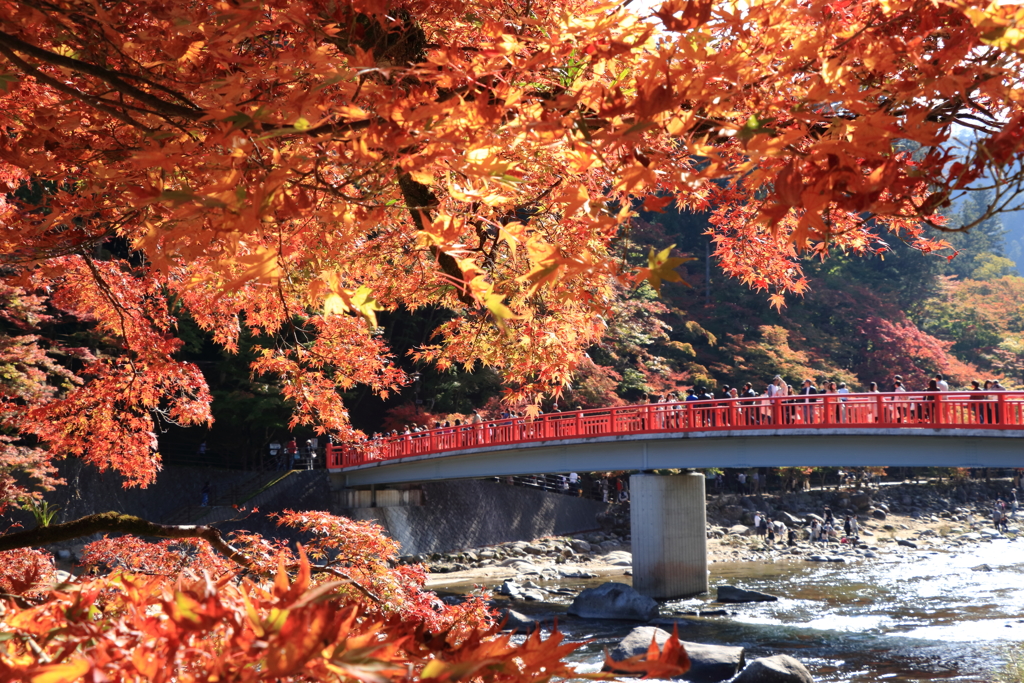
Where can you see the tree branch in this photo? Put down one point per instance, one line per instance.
(110, 77)
(115, 522)
(420, 199)
(97, 102)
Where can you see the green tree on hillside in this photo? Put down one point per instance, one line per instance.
(981, 250)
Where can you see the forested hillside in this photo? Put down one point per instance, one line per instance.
(861, 319)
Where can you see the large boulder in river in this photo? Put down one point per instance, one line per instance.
(777, 669)
(708, 663)
(613, 601)
(734, 594)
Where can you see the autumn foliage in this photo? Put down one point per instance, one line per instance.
(294, 167)
(334, 610)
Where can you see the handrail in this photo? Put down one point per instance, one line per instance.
(946, 409)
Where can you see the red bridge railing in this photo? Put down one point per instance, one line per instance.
(957, 410)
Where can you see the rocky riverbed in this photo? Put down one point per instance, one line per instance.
(893, 520)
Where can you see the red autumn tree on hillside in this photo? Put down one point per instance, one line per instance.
(296, 166)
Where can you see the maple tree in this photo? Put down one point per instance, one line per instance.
(295, 167)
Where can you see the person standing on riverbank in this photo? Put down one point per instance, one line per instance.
(850, 527)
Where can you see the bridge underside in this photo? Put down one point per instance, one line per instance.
(769, 448)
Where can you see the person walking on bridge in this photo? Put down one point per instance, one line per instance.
(749, 411)
(808, 389)
(900, 411)
(778, 389)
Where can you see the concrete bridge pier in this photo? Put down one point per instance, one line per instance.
(668, 523)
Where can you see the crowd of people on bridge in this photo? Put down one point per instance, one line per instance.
(832, 402)
(780, 403)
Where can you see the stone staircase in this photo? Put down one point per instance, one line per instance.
(253, 491)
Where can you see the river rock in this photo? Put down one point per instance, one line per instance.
(576, 574)
(788, 519)
(981, 568)
(579, 545)
(516, 622)
(906, 544)
(613, 601)
(734, 594)
(861, 500)
(523, 567)
(511, 589)
(878, 513)
(740, 530)
(708, 663)
(777, 669)
(732, 512)
(619, 558)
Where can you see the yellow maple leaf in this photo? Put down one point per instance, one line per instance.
(662, 266)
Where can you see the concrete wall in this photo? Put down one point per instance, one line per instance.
(459, 514)
(89, 491)
(473, 513)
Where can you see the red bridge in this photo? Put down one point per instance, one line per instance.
(964, 413)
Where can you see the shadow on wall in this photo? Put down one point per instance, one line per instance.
(89, 491)
(469, 514)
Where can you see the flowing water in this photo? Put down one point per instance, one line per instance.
(922, 616)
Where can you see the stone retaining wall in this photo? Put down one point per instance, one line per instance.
(456, 515)
(472, 514)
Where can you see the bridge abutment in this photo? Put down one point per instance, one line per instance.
(669, 537)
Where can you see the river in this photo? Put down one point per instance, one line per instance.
(921, 616)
